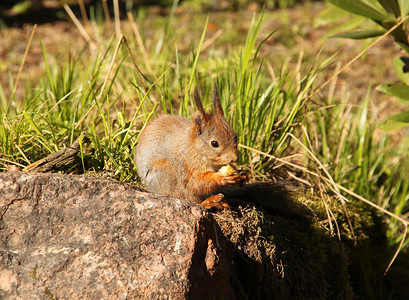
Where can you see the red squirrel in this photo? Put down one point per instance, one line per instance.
(179, 157)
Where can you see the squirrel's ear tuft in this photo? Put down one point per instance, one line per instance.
(216, 101)
(200, 106)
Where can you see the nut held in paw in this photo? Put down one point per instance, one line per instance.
(228, 170)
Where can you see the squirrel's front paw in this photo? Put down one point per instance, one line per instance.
(235, 178)
(230, 179)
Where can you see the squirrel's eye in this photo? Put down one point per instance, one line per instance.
(214, 144)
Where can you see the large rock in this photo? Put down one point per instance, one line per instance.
(75, 237)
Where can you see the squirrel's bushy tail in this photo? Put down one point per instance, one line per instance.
(275, 197)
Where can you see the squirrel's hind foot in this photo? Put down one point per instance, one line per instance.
(215, 201)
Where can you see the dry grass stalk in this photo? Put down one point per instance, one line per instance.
(83, 11)
(139, 40)
(117, 18)
(106, 12)
(81, 28)
(20, 71)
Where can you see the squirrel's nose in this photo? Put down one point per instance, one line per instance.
(235, 158)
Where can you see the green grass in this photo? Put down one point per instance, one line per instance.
(266, 99)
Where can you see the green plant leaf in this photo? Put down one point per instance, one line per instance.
(330, 15)
(404, 7)
(399, 91)
(401, 117)
(401, 66)
(358, 35)
(396, 122)
(391, 6)
(347, 26)
(363, 8)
